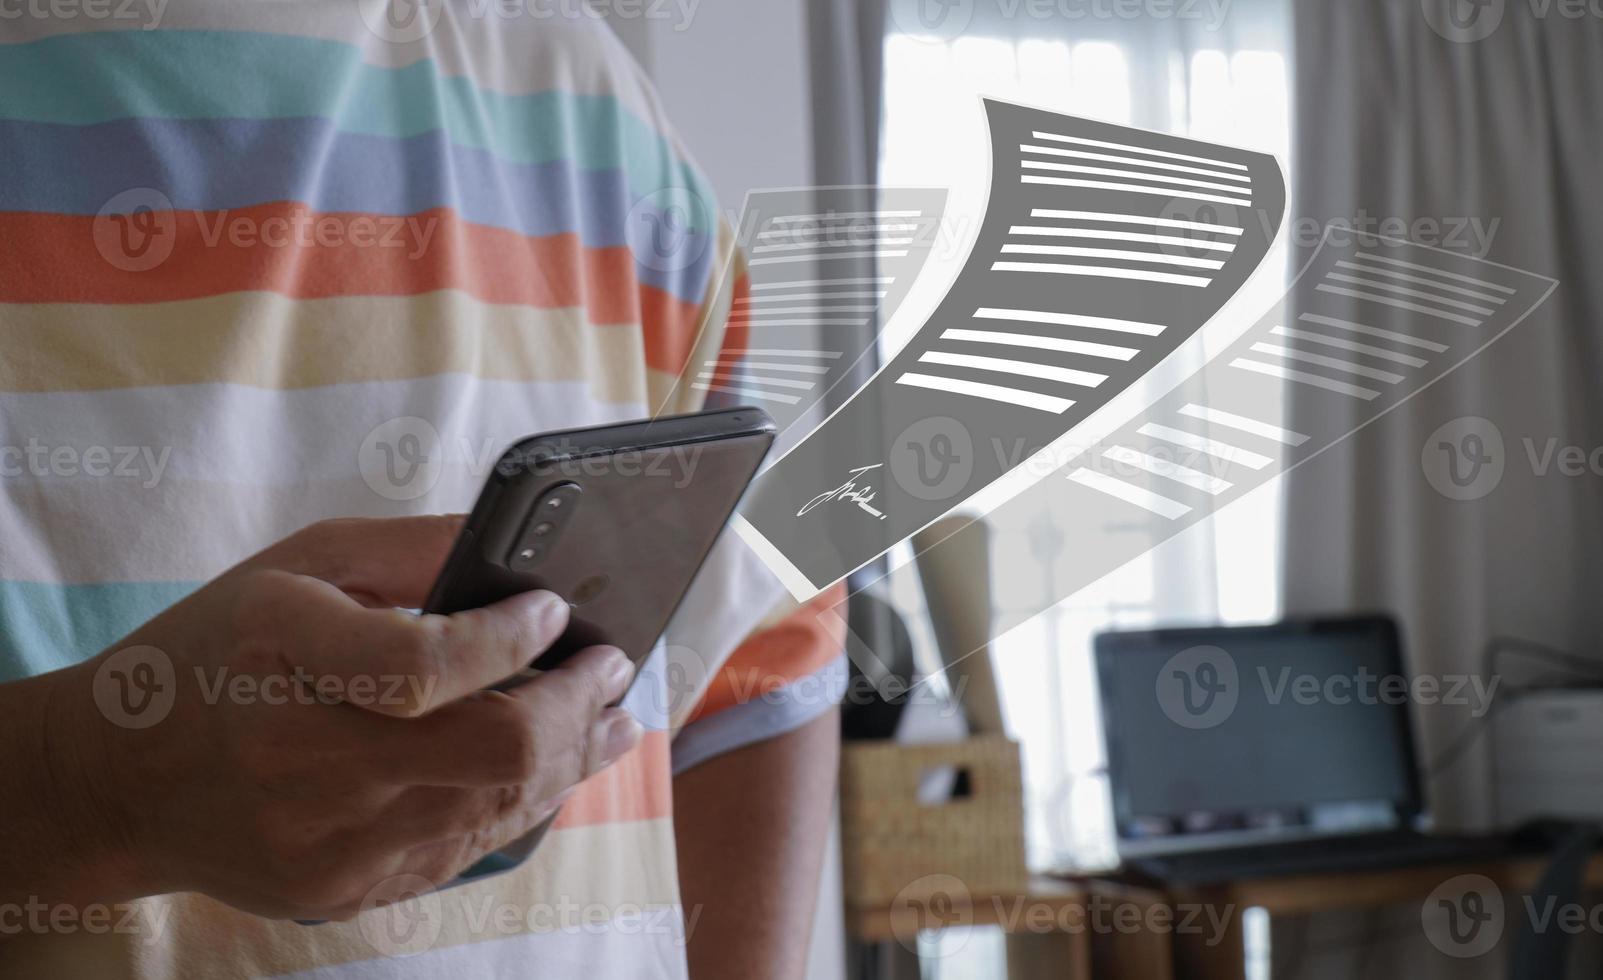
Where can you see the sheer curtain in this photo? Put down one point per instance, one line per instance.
(1409, 124)
(1503, 131)
(1227, 81)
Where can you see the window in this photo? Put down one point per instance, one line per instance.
(1225, 569)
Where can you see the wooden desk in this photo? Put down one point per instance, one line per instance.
(1080, 929)
(1056, 929)
(1195, 958)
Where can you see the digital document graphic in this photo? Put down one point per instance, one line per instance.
(820, 273)
(1103, 249)
(1367, 325)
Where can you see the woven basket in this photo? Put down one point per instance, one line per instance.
(895, 848)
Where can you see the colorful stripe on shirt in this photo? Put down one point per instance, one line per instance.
(249, 240)
(779, 679)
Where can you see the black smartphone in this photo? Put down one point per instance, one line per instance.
(616, 519)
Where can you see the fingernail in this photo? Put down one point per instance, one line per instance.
(621, 733)
(620, 671)
(547, 608)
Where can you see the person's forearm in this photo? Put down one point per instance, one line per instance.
(752, 826)
(60, 845)
(252, 794)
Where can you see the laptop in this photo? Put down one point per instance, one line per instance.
(1246, 752)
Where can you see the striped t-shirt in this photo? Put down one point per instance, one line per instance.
(265, 263)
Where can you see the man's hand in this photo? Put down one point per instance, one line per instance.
(319, 739)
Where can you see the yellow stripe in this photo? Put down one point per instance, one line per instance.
(581, 871)
(266, 340)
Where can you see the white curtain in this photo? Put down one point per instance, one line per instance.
(1398, 122)
(1500, 137)
(1223, 79)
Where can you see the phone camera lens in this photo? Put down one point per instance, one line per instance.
(547, 519)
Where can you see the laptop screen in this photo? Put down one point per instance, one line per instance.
(1226, 736)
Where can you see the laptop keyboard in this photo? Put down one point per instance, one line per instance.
(1361, 852)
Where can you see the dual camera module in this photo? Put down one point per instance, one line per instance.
(548, 518)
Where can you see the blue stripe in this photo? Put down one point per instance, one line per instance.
(220, 164)
(48, 627)
(769, 716)
(106, 76)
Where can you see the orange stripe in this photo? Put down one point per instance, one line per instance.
(799, 645)
(737, 331)
(737, 335)
(81, 259)
(636, 787)
(670, 324)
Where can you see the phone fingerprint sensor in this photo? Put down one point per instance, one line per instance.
(590, 589)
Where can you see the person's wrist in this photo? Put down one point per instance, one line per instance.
(86, 760)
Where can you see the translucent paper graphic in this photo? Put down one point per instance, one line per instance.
(823, 273)
(1369, 324)
(1103, 248)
